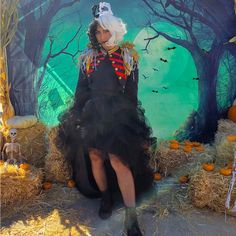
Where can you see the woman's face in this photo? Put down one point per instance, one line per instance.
(102, 36)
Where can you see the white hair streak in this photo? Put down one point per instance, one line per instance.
(116, 27)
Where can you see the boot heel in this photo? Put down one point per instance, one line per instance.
(106, 205)
(131, 222)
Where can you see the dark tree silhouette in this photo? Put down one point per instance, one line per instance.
(32, 34)
(211, 21)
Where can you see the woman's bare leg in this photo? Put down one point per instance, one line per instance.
(125, 180)
(99, 174)
(126, 184)
(98, 168)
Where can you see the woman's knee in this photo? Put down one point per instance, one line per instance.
(95, 156)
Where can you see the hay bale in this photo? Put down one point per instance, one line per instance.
(18, 184)
(196, 161)
(167, 160)
(56, 166)
(33, 144)
(209, 189)
(224, 148)
(226, 126)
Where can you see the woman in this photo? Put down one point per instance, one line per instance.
(104, 133)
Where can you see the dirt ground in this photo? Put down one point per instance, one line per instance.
(163, 211)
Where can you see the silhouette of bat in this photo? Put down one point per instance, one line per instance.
(164, 60)
(196, 78)
(155, 91)
(164, 87)
(145, 77)
(171, 48)
(155, 69)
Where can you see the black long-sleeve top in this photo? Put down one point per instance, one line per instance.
(104, 77)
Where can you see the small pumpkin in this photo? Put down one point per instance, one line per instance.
(157, 176)
(199, 148)
(71, 183)
(174, 141)
(188, 143)
(184, 179)
(24, 166)
(196, 144)
(232, 113)
(174, 146)
(47, 185)
(187, 148)
(1, 162)
(231, 138)
(225, 171)
(208, 166)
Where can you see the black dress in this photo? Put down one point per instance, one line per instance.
(106, 115)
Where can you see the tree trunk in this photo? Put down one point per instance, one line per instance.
(207, 114)
(21, 77)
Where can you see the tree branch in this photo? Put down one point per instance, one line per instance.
(63, 50)
(51, 55)
(181, 42)
(184, 8)
(162, 16)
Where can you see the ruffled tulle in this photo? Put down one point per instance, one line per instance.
(113, 124)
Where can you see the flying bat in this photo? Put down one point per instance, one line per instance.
(145, 77)
(164, 60)
(155, 91)
(155, 69)
(171, 48)
(196, 78)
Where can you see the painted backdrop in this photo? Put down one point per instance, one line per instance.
(187, 69)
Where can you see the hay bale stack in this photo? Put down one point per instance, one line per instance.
(56, 166)
(224, 148)
(196, 161)
(168, 160)
(18, 184)
(33, 144)
(209, 189)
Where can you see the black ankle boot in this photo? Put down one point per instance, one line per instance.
(105, 209)
(131, 222)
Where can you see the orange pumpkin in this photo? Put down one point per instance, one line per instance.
(199, 148)
(71, 183)
(1, 162)
(47, 185)
(157, 176)
(24, 166)
(184, 179)
(196, 144)
(187, 148)
(174, 146)
(232, 113)
(231, 138)
(225, 171)
(174, 141)
(188, 143)
(208, 166)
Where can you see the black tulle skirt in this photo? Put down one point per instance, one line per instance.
(113, 124)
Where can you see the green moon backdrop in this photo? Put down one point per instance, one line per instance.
(172, 80)
(198, 82)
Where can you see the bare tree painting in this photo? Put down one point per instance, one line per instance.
(208, 23)
(23, 66)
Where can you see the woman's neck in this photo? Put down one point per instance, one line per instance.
(111, 49)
